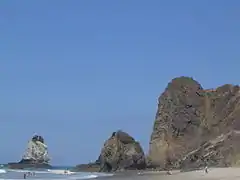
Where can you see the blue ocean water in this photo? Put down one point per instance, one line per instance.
(55, 173)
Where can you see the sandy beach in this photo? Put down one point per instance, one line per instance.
(214, 174)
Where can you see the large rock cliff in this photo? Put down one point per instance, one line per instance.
(189, 117)
(36, 154)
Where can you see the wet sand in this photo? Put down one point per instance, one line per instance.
(214, 174)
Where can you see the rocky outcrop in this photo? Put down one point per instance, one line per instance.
(36, 155)
(189, 116)
(91, 167)
(120, 152)
(222, 151)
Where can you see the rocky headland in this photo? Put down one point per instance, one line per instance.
(35, 156)
(194, 127)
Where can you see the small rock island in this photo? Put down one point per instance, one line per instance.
(35, 156)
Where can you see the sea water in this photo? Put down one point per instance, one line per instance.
(56, 173)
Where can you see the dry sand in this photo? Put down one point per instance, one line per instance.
(214, 174)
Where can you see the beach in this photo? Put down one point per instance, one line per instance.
(214, 174)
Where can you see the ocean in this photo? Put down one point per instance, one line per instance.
(46, 174)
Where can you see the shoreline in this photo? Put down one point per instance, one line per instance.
(214, 173)
(228, 173)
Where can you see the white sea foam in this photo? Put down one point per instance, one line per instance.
(65, 178)
(59, 171)
(3, 171)
(25, 171)
(88, 177)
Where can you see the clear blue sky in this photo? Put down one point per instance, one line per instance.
(75, 71)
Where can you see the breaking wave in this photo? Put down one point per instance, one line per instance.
(3, 171)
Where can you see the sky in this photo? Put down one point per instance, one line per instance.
(75, 71)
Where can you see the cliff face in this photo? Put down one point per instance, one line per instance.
(189, 116)
(222, 151)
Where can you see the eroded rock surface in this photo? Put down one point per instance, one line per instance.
(222, 151)
(188, 116)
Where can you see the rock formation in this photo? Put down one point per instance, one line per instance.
(222, 151)
(36, 154)
(189, 117)
(120, 152)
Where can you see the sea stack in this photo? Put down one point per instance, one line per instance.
(119, 152)
(35, 156)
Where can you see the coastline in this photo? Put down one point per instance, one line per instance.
(214, 173)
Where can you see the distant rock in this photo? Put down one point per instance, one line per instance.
(91, 167)
(35, 156)
(189, 116)
(120, 152)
